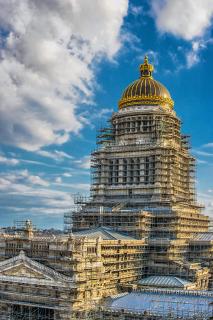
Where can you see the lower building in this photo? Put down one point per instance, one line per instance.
(64, 276)
(72, 276)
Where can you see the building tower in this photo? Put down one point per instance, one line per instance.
(143, 174)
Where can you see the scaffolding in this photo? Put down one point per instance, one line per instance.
(23, 312)
(144, 215)
(143, 184)
(131, 314)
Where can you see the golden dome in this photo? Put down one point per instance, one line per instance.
(146, 90)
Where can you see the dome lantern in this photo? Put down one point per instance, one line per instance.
(146, 69)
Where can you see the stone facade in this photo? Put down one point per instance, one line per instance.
(66, 274)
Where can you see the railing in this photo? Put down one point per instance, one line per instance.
(178, 292)
(149, 314)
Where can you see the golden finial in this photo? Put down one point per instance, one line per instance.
(146, 69)
(146, 61)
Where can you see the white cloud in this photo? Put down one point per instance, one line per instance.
(47, 65)
(58, 180)
(207, 200)
(42, 164)
(187, 19)
(29, 194)
(84, 163)
(136, 10)
(20, 181)
(67, 174)
(36, 180)
(103, 113)
(55, 155)
(8, 161)
(34, 200)
(199, 161)
(208, 145)
(74, 187)
(82, 186)
(193, 55)
(203, 153)
(4, 184)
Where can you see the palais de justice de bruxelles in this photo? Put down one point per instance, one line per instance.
(141, 232)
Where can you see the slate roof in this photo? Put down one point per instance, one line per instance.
(180, 305)
(164, 281)
(103, 232)
(204, 236)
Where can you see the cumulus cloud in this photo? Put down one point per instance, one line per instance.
(187, 19)
(34, 201)
(20, 180)
(47, 60)
(29, 194)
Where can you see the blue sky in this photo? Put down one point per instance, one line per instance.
(63, 67)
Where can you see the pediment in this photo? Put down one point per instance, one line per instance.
(23, 269)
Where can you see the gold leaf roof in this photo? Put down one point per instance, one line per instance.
(146, 90)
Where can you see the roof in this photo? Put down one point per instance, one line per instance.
(103, 232)
(164, 281)
(146, 90)
(204, 236)
(162, 304)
